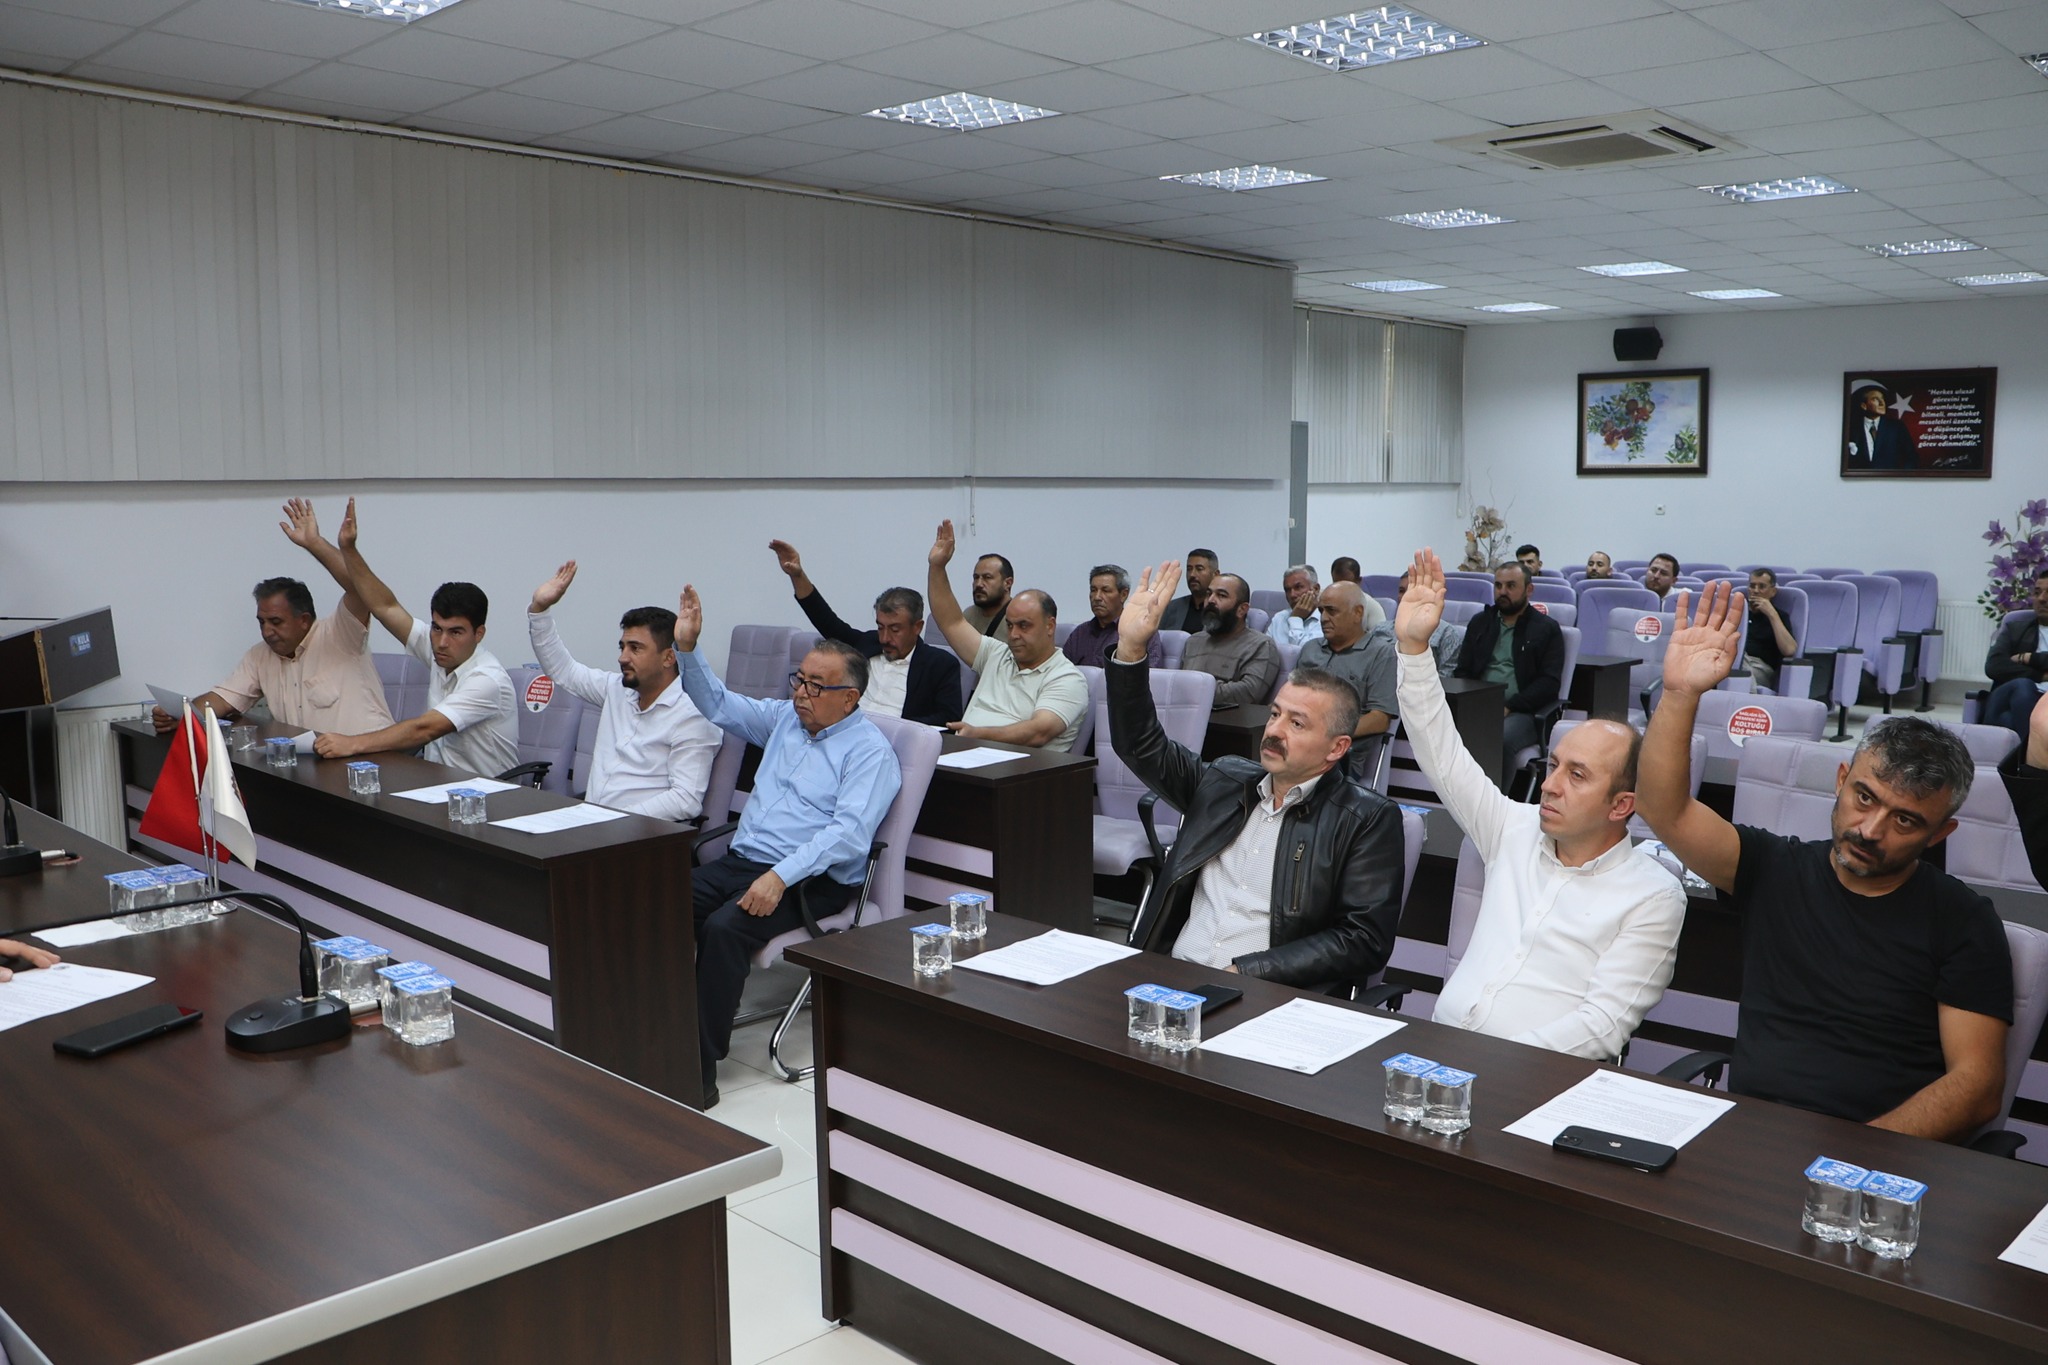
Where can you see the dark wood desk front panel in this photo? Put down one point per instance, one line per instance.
(1022, 831)
(994, 1140)
(610, 903)
(488, 1198)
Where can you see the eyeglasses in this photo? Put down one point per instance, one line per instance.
(800, 686)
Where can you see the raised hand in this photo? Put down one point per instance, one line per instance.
(2037, 735)
(1144, 608)
(346, 539)
(942, 546)
(550, 592)
(1421, 608)
(787, 559)
(689, 620)
(300, 526)
(1705, 643)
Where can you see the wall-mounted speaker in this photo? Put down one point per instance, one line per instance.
(1637, 343)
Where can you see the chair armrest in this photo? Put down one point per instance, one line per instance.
(1998, 1142)
(525, 771)
(1145, 818)
(1694, 1065)
(1387, 996)
(699, 838)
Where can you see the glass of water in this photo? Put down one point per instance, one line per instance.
(1890, 1223)
(426, 1010)
(242, 738)
(931, 949)
(387, 987)
(1447, 1100)
(282, 752)
(1180, 1021)
(1404, 1086)
(969, 912)
(1833, 1199)
(363, 779)
(1144, 1012)
(465, 806)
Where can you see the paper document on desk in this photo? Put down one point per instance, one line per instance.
(1048, 958)
(173, 703)
(977, 758)
(1303, 1035)
(76, 935)
(52, 990)
(2030, 1248)
(304, 743)
(439, 791)
(1618, 1103)
(568, 817)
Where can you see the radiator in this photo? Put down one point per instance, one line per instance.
(1966, 633)
(89, 772)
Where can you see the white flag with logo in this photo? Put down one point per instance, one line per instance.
(221, 803)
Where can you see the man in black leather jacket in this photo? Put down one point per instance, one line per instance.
(1283, 868)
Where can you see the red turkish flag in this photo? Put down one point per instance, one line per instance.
(173, 812)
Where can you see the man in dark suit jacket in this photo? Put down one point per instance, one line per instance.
(2017, 663)
(1531, 663)
(1878, 440)
(2026, 781)
(905, 678)
(1185, 613)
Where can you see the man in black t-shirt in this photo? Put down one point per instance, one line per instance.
(1875, 987)
(1770, 637)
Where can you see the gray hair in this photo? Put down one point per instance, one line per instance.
(901, 599)
(1116, 571)
(1309, 569)
(1920, 758)
(855, 662)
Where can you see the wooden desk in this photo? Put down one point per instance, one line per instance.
(488, 1198)
(1600, 686)
(1235, 731)
(1023, 832)
(1207, 1208)
(582, 937)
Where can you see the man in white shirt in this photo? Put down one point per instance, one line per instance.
(1577, 930)
(472, 716)
(1028, 692)
(1301, 622)
(653, 751)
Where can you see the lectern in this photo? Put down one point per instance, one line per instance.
(41, 664)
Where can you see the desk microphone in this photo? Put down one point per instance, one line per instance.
(278, 1023)
(16, 859)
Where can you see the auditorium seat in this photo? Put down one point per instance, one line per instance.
(1919, 622)
(1270, 601)
(1986, 847)
(1788, 718)
(1779, 569)
(1290, 655)
(1833, 573)
(1172, 643)
(1459, 613)
(757, 664)
(1552, 590)
(1255, 620)
(1380, 584)
(1598, 600)
(1182, 699)
(548, 736)
(405, 684)
(1564, 613)
(586, 746)
(1878, 601)
(1830, 644)
(1478, 590)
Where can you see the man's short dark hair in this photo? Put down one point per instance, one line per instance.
(1672, 560)
(2041, 573)
(659, 622)
(466, 600)
(1521, 550)
(1241, 593)
(1519, 567)
(295, 594)
(855, 662)
(1920, 758)
(1115, 571)
(1772, 578)
(1344, 711)
(1209, 555)
(1343, 565)
(901, 599)
(1042, 598)
(1008, 572)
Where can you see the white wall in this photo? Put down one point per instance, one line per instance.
(1772, 492)
(1382, 525)
(176, 561)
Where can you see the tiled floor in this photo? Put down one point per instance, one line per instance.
(772, 1228)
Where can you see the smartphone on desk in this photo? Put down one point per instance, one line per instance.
(1215, 997)
(1624, 1151)
(101, 1039)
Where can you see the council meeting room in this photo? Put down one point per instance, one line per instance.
(968, 681)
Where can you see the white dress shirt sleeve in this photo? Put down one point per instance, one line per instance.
(1479, 807)
(1627, 982)
(555, 660)
(689, 769)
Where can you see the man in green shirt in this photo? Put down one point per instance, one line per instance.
(1523, 649)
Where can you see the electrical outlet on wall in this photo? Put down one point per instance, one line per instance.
(1660, 509)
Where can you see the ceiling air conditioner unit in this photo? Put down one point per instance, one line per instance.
(1639, 138)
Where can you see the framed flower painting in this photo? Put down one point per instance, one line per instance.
(1643, 422)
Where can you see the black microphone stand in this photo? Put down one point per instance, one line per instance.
(278, 1023)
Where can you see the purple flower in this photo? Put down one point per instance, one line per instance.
(2026, 555)
(2036, 511)
(2002, 566)
(1995, 534)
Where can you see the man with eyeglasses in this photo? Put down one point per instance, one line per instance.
(1029, 693)
(826, 779)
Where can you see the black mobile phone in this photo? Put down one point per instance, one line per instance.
(1216, 997)
(1625, 1151)
(101, 1039)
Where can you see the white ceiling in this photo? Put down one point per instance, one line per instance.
(1923, 105)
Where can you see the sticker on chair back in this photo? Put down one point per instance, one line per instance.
(1649, 627)
(540, 692)
(1543, 607)
(1747, 723)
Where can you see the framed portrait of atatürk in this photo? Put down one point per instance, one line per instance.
(1917, 424)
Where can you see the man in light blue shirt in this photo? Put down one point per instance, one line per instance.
(826, 779)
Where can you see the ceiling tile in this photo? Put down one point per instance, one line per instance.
(1069, 135)
(1078, 90)
(1546, 103)
(1189, 116)
(388, 90)
(638, 135)
(1806, 104)
(839, 89)
(1938, 85)
(59, 36)
(2022, 29)
(705, 59)
(1889, 52)
(1221, 64)
(1717, 78)
(961, 13)
(604, 87)
(827, 30)
(157, 79)
(1093, 31)
(2014, 111)
(443, 57)
(1632, 45)
(957, 61)
(189, 59)
(1504, 22)
(520, 113)
(1768, 24)
(739, 113)
(967, 152)
(558, 28)
(862, 134)
(129, 13)
(763, 155)
(1331, 96)
(670, 11)
(296, 29)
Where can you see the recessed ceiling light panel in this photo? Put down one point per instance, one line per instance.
(1721, 295)
(2009, 277)
(1933, 247)
(2039, 61)
(1793, 187)
(396, 11)
(1245, 178)
(1437, 219)
(1624, 269)
(1394, 286)
(1371, 37)
(1517, 308)
(962, 111)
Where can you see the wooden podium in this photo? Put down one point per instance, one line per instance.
(41, 664)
